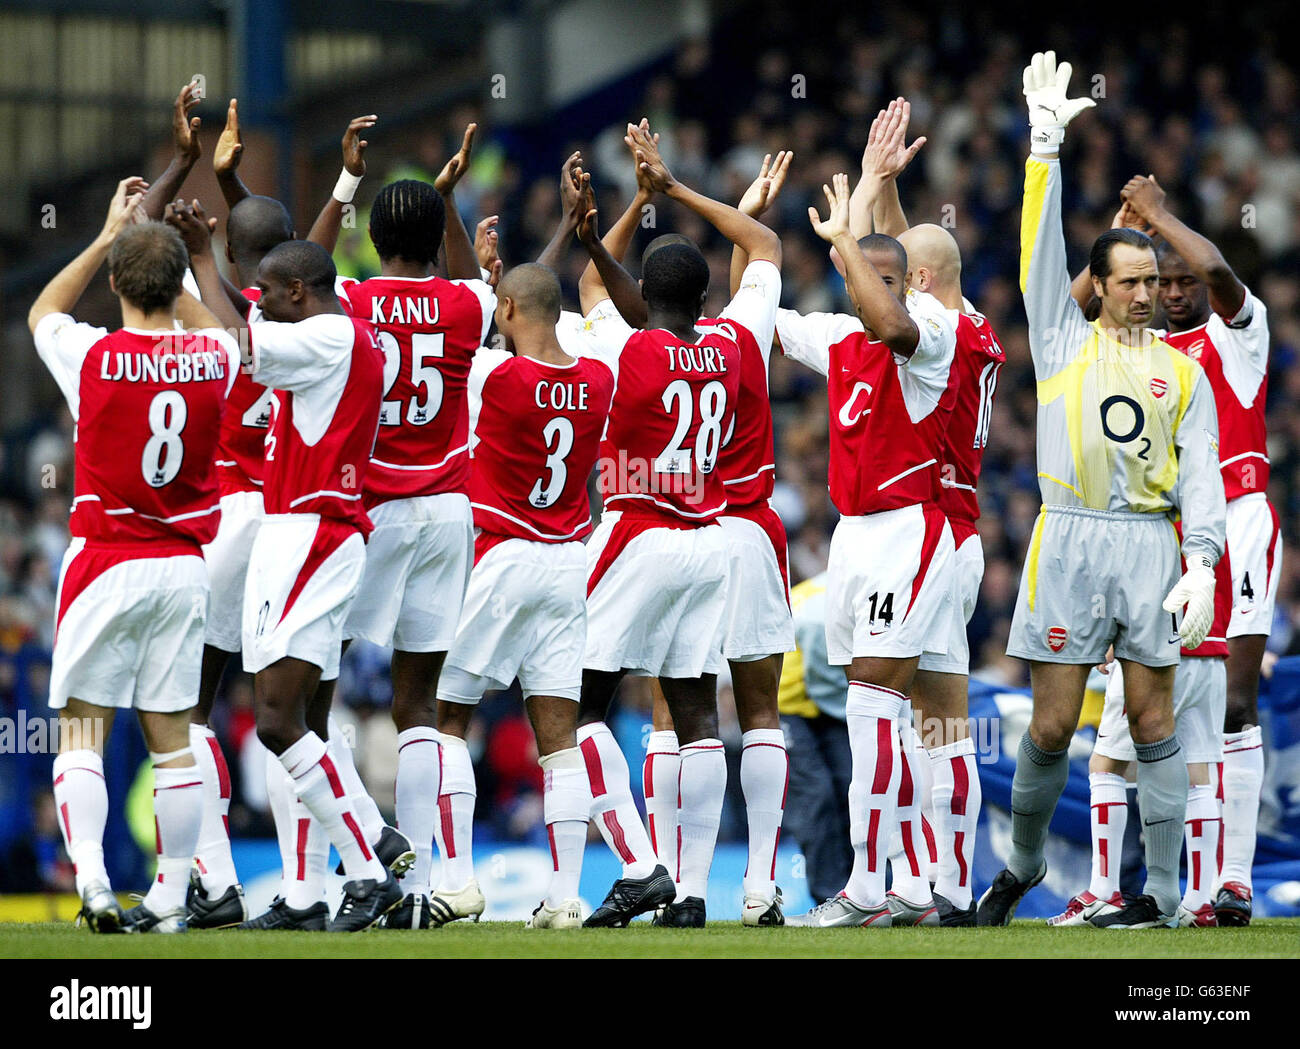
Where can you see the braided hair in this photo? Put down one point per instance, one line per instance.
(407, 221)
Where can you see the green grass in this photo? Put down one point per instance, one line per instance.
(1275, 938)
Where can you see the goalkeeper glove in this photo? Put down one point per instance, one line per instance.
(1196, 591)
(1049, 109)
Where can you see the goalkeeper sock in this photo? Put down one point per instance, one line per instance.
(1035, 789)
(1162, 800)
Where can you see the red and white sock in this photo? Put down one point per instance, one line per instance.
(871, 713)
(909, 860)
(81, 796)
(340, 751)
(566, 801)
(418, 787)
(702, 786)
(764, 777)
(317, 783)
(612, 808)
(956, 796)
(659, 777)
(212, 857)
(455, 827)
(177, 817)
(1108, 796)
(1201, 839)
(304, 846)
(1243, 778)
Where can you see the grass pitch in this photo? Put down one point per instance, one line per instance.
(1271, 938)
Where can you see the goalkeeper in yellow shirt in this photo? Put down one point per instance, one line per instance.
(1127, 440)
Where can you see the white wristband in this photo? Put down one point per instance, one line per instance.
(346, 187)
(1046, 139)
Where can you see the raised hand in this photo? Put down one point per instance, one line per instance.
(1144, 197)
(837, 223)
(588, 226)
(887, 153)
(1045, 85)
(454, 170)
(123, 208)
(764, 190)
(185, 139)
(1127, 218)
(193, 224)
(642, 182)
(485, 248)
(652, 172)
(354, 146)
(225, 158)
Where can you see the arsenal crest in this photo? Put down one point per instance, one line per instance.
(1159, 387)
(1057, 636)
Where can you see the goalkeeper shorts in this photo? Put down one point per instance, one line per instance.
(1093, 578)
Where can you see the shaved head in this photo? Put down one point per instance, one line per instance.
(663, 241)
(933, 248)
(256, 225)
(534, 290)
(301, 260)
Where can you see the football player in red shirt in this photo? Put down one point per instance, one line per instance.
(309, 554)
(940, 762)
(889, 380)
(419, 558)
(133, 589)
(658, 565)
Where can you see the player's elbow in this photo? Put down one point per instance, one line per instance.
(36, 314)
(900, 335)
(768, 248)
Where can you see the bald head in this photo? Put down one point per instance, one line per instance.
(934, 249)
(534, 290)
(256, 225)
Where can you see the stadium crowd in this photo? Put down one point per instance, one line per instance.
(1217, 128)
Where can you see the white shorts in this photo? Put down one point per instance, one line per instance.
(758, 620)
(525, 616)
(418, 561)
(888, 588)
(302, 578)
(1255, 550)
(657, 598)
(1200, 699)
(967, 575)
(227, 560)
(131, 634)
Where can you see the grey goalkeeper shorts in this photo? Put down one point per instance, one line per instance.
(1093, 577)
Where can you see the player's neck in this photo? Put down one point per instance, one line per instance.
(949, 296)
(322, 307)
(1189, 324)
(540, 345)
(678, 322)
(158, 320)
(402, 268)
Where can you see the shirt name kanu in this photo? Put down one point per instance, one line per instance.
(102, 1003)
